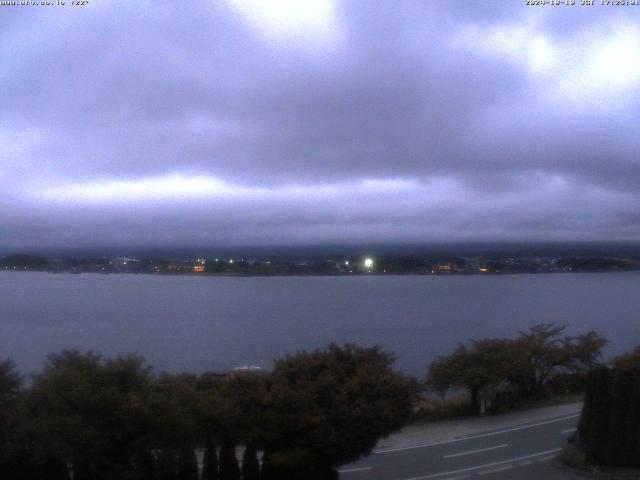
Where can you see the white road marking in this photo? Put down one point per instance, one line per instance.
(459, 477)
(569, 430)
(495, 470)
(469, 452)
(349, 470)
(487, 465)
(481, 435)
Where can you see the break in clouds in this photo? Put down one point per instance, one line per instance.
(287, 121)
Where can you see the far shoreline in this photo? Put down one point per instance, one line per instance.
(321, 275)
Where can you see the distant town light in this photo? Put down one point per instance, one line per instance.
(368, 262)
(231, 261)
(346, 262)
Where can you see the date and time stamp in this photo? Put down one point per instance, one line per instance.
(44, 3)
(584, 3)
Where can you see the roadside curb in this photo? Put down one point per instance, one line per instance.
(446, 430)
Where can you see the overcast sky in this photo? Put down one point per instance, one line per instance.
(230, 122)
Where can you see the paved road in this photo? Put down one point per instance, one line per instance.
(518, 450)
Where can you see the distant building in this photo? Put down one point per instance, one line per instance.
(248, 369)
(446, 267)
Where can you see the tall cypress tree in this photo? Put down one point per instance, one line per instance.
(610, 421)
(595, 429)
(229, 468)
(266, 472)
(187, 464)
(584, 424)
(621, 387)
(632, 434)
(26, 467)
(55, 469)
(271, 471)
(146, 466)
(210, 459)
(250, 466)
(167, 465)
(82, 471)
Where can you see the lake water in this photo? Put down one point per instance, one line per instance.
(199, 323)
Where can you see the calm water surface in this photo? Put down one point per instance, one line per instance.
(199, 323)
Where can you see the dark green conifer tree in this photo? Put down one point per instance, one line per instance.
(620, 413)
(266, 470)
(250, 465)
(609, 426)
(632, 430)
(82, 471)
(23, 466)
(210, 459)
(187, 464)
(167, 465)
(55, 469)
(229, 468)
(594, 430)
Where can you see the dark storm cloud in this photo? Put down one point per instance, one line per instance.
(477, 120)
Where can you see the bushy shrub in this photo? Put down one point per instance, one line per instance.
(572, 456)
(430, 408)
(610, 422)
(115, 418)
(525, 367)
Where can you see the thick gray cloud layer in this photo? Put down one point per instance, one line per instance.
(288, 121)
